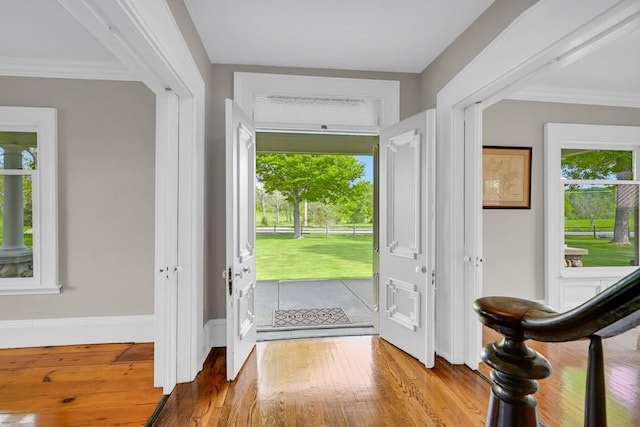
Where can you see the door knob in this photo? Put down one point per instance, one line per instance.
(244, 270)
(422, 269)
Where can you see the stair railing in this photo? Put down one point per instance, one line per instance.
(516, 367)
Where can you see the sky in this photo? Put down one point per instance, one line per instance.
(368, 167)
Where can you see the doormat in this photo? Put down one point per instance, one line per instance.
(310, 317)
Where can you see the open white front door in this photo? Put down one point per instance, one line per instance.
(241, 238)
(406, 235)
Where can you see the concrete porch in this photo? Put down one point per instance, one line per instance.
(354, 296)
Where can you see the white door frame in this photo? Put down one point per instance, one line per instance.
(572, 28)
(247, 85)
(144, 36)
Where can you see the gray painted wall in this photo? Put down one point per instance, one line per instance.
(106, 150)
(514, 239)
(222, 87)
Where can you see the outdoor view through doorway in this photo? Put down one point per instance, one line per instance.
(314, 244)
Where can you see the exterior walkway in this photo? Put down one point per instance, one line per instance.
(354, 296)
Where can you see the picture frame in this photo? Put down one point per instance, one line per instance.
(506, 177)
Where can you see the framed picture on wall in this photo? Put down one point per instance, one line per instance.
(506, 177)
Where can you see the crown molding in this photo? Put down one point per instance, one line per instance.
(64, 69)
(578, 96)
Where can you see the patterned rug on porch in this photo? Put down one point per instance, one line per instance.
(310, 317)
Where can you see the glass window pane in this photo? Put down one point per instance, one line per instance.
(597, 164)
(327, 111)
(18, 150)
(600, 225)
(16, 226)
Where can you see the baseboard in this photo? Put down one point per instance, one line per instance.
(76, 330)
(215, 332)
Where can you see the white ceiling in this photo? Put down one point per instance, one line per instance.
(43, 29)
(40, 38)
(616, 66)
(607, 76)
(373, 35)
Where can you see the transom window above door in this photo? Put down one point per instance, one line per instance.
(317, 104)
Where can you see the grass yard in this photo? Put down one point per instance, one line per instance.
(601, 252)
(280, 256)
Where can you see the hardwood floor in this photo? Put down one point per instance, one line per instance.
(561, 396)
(84, 385)
(345, 381)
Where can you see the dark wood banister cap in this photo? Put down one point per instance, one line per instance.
(611, 312)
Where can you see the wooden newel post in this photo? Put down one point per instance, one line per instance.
(516, 367)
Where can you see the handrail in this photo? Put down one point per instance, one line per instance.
(516, 367)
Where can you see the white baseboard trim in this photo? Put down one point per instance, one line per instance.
(215, 332)
(76, 330)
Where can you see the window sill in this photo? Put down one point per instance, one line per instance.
(30, 290)
(595, 272)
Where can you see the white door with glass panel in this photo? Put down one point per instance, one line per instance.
(406, 284)
(240, 273)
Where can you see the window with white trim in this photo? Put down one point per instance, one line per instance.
(600, 207)
(28, 201)
(591, 209)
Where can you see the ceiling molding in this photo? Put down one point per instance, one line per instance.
(65, 69)
(577, 96)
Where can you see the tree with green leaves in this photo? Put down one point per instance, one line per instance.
(591, 203)
(357, 205)
(310, 177)
(607, 164)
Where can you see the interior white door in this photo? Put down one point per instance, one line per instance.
(166, 232)
(473, 230)
(241, 238)
(406, 236)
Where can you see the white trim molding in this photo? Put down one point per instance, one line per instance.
(215, 333)
(577, 96)
(76, 330)
(145, 37)
(65, 69)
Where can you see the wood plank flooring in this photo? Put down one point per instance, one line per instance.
(561, 396)
(83, 385)
(345, 381)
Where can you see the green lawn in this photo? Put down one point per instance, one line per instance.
(280, 256)
(601, 252)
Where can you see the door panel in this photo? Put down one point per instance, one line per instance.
(473, 229)
(406, 226)
(241, 261)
